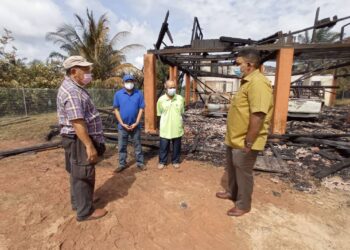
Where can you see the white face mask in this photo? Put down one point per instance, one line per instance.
(129, 85)
(171, 91)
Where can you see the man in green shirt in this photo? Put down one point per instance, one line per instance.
(170, 108)
(247, 128)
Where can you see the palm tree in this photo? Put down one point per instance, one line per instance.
(90, 40)
(321, 35)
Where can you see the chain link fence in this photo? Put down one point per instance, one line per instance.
(26, 101)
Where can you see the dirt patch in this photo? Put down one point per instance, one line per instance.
(168, 209)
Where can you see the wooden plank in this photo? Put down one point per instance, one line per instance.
(328, 171)
(35, 148)
(270, 164)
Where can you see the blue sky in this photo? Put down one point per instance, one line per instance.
(31, 20)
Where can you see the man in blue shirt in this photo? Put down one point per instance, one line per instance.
(128, 106)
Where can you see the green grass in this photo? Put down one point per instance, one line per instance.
(37, 127)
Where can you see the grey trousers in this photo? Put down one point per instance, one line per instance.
(82, 177)
(240, 176)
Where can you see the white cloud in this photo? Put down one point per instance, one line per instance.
(29, 18)
(29, 21)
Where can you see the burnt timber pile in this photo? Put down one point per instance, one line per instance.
(310, 151)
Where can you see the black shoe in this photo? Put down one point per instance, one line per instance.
(142, 167)
(119, 169)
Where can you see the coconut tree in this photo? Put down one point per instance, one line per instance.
(322, 35)
(90, 39)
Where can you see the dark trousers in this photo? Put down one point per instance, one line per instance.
(82, 177)
(164, 146)
(240, 176)
(123, 136)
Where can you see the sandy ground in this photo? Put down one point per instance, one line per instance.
(168, 209)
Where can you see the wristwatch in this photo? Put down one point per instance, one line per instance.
(248, 144)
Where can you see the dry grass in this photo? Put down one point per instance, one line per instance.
(341, 102)
(34, 128)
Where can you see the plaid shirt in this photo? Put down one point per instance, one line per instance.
(74, 102)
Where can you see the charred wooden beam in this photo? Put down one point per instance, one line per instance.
(299, 48)
(212, 74)
(197, 33)
(218, 57)
(143, 143)
(144, 137)
(278, 156)
(314, 141)
(237, 41)
(312, 135)
(35, 148)
(15, 121)
(314, 87)
(163, 30)
(195, 64)
(328, 171)
(330, 155)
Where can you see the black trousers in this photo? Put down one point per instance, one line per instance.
(82, 177)
(164, 145)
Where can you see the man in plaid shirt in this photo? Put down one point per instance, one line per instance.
(82, 135)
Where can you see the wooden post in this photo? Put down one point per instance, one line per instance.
(187, 89)
(282, 89)
(150, 93)
(171, 73)
(194, 89)
(333, 95)
(175, 74)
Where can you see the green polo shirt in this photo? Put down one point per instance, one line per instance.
(170, 112)
(254, 95)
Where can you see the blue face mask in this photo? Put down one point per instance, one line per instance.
(237, 71)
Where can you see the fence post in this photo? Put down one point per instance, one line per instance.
(24, 102)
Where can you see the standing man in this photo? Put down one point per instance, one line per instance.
(170, 108)
(128, 106)
(82, 136)
(247, 128)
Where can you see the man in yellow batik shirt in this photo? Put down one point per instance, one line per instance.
(247, 129)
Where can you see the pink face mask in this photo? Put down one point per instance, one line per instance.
(87, 79)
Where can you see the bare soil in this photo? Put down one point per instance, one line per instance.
(167, 209)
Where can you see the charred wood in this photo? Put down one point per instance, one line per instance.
(314, 141)
(328, 171)
(35, 148)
